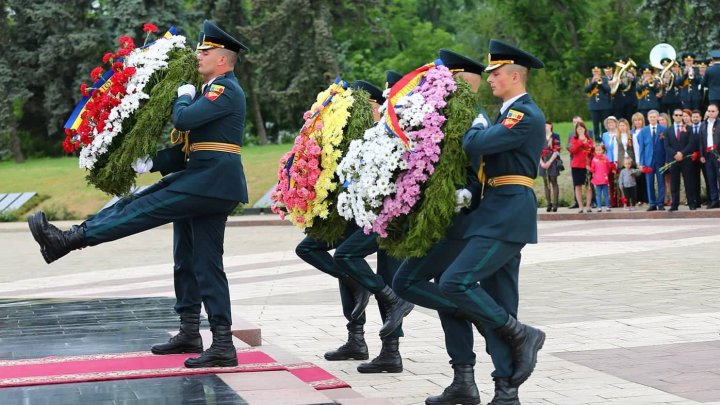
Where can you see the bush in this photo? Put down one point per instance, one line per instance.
(59, 213)
(10, 216)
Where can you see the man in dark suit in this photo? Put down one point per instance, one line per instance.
(709, 136)
(711, 78)
(207, 184)
(476, 267)
(352, 251)
(597, 89)
(652, 154)
(679, 147)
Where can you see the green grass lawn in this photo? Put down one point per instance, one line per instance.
(61, 183)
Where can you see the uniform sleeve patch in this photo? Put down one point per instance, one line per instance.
(512, 118)
(214, 92)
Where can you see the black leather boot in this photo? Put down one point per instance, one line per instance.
(388, 360)
(53, 242)
(462, 390)
(361, 296)
(396, 307)
(525, 343)
(188, 340)
(355, 348)
(220, 354)
(505, 393)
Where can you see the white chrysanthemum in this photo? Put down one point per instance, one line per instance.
(146, 61)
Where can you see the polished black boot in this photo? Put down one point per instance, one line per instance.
(355, 348)
(361, 296)
(505, 393)
(188, 340)
(525, 343)
(220, 354)
(53, 242)
(462, 390)
(388, 360)
(396, 309)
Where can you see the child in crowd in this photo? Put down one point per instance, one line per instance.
(628, 183)
(600, 169)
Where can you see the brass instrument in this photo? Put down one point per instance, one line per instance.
(657, 54)
(620, 76)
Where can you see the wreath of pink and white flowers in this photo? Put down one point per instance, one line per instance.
(385, 177)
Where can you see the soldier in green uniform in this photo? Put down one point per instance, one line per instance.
(206, 185)
(352, 250)
(476, 267)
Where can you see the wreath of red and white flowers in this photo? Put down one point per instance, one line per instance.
(130, 69)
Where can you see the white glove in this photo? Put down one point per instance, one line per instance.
(462, 199)
(188, 89)
(480, 121)
(142, 165)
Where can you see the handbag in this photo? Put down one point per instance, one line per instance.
(560, 165)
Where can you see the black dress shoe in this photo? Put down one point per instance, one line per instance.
(548, 209)
(572, 207)
(554, 209)
(693, 208)
(661, 208)
(671, 209)
(716, 204)
(652, 208)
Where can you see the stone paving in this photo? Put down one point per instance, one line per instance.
(631, 306)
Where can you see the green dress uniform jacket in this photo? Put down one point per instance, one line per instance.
(508, 212)
(215, 115)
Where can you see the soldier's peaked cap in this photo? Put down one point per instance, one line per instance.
(500, 53)
(459, 63)
(392, 77)
(375, 92)
(213, 37)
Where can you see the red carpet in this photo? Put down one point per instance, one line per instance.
(121, 366)
(315, 376)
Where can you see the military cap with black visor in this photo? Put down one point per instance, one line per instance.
(459, 63)
(213, 37)
(500, 54)
(392, 77)
(376, 95)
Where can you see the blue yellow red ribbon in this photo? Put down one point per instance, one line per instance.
(402, 88)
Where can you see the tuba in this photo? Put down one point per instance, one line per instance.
(657, 54)
(620, 76)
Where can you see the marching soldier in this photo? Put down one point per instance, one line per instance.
(352, 250)
(476, 267)
(597, 89)
(207, 184)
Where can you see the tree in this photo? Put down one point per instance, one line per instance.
(691, 25)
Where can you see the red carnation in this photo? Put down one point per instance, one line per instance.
(117, 66)
(710, 148)
(84, 90)
(647, 169)
(150, 27)
(126, 42)
(95, 73)
(695, 156)
(108, 57)
(69, 131)
(123, 52)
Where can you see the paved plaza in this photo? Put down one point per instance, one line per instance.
(631, 307)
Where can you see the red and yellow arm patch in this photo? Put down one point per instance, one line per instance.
(214, 92)
(512, 118)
